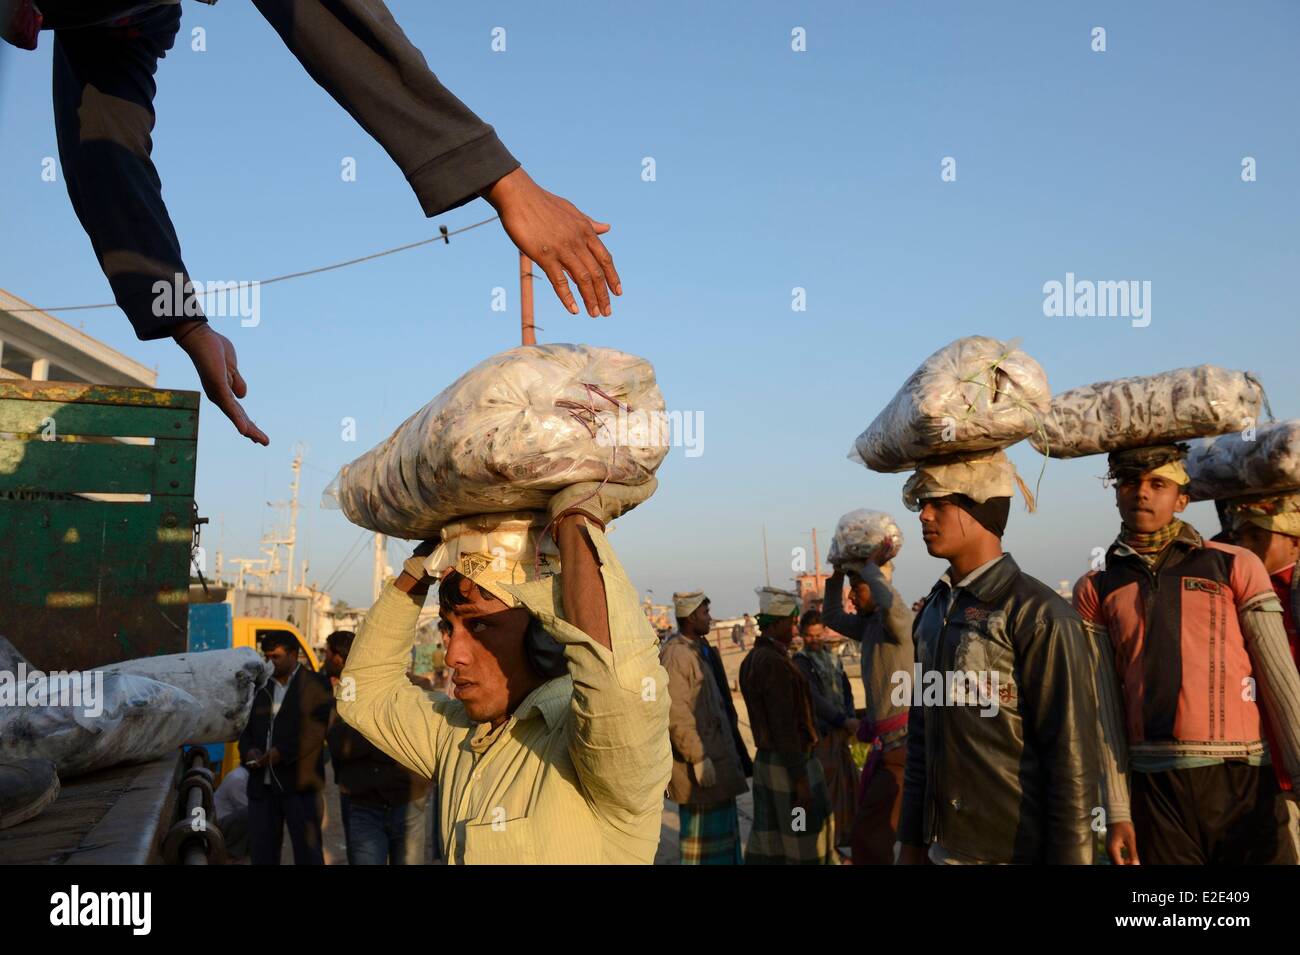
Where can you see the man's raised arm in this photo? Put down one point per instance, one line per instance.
(374, 696)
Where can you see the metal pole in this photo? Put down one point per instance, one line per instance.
(527, 328)
(767, 574)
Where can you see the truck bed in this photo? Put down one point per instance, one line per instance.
(117, 816)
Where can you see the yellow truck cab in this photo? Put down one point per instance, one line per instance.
(249, 631)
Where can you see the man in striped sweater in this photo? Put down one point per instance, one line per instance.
(1195, 632)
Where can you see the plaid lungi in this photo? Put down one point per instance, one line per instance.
(784, 834)
(710, 835)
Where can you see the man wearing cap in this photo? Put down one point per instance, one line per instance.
(1198, 644)
(556, 747)
(1002, 748)
(793, 821)
(882, 624)
(1268, 525)
(710, 762)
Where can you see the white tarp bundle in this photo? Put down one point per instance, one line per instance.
(223, 682)
(859, 533)
(507, 435)
(87, 720)
(1259, 461)
(1155, 409)
(974, 394)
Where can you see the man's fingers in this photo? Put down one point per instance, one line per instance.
(606, 263)
(561, 285)
(224, 399)
(600, 227)
(237, 383)
(591, 281)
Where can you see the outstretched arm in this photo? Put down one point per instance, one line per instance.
(620, 705)
(375, 697)
(358, 54)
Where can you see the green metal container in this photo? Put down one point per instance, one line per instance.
(84, 580)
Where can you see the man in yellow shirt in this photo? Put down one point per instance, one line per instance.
(556, 747)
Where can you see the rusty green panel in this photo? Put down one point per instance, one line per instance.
(166, 467)
(51, 419)
(94, 582)
(85, 583)
(82, 393)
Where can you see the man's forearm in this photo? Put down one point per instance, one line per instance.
(581, 582)
(889, 604)
(374, 696)
(835, 616)
(358, 54)
(1111, 725)
(1277, 681)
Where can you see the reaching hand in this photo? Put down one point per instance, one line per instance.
(214, 359)
(1122, 838)
(705, 774)
(884, 552)
(555, 234)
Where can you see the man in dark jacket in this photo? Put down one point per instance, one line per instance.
(105, 55)
(833, 709)
(1003, 758)
(793, 820)
(385, 806)
(282, 747)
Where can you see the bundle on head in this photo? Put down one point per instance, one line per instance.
(1258, 461)
(507, 435)
(1147, 411)
(975, 394)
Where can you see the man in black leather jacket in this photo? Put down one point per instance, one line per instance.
(1003, 759)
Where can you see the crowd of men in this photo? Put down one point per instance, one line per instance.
(1005, 724)
(1002, 724)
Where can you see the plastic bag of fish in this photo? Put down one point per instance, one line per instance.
(1255, 461)
(1143, 411)
(860, 533)
(506, 436)
(975, 394)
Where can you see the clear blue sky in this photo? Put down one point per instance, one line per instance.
(775, 169)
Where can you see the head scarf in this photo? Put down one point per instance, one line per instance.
(1162, 460)
(1279, 513)
(496, 551)
(776, 604)
(979, 477)
(685, 604)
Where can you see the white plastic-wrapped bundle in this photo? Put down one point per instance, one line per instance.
(507, 435)
(1262, 461)
(87, 720)
(223, 681)
(972, 395)
(1143, 411)
(860, 532)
